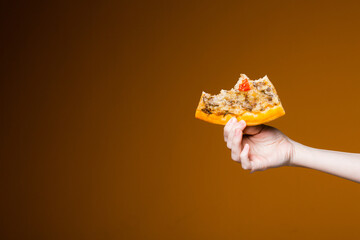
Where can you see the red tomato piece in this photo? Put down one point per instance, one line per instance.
(244, 86)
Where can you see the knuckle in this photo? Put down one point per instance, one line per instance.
(258, 166)
(254, 166)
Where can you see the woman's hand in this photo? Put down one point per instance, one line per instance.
(257, 147)
(262, 147)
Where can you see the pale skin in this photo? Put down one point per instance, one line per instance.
(261, 147)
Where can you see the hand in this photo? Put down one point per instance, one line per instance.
(257, 147)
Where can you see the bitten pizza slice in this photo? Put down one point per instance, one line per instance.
(254, 101)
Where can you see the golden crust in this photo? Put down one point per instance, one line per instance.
(251, 119)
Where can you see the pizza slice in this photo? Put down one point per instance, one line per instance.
(254, 101)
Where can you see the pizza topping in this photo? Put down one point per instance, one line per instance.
(247, 96)
(206, 110)
(244, 86)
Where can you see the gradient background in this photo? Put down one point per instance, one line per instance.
(98, 135)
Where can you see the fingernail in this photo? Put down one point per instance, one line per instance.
(243, 122)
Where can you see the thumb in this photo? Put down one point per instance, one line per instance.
(253, 130)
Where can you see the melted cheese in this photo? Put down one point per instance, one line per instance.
(261, 96)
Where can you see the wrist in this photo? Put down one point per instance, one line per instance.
(298, 154)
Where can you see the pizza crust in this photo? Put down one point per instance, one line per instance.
(251, 119)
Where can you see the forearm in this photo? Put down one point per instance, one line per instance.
(345, 165)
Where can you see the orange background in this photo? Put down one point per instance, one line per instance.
(99, 139)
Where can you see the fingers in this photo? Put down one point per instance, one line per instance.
(253, 130)
(228, 127)
(258, 165)
(255, 166)
(238, 125)
(233, 134)
(236, 145)
(244, 157)
(241, 156)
